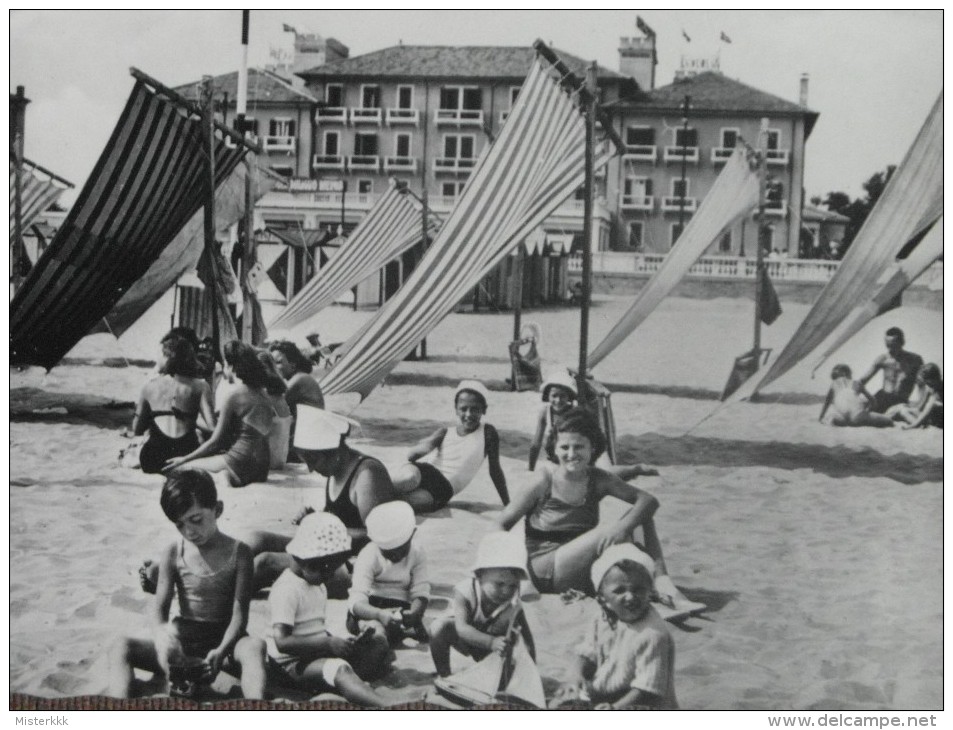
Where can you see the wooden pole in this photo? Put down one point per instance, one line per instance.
(681, 198)
(759, 255)
(590, 113)
(18, 130)
(249, 257)
(209, 104)
(518, 302)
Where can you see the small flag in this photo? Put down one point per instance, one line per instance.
(770, 304)
(288, 29)
(644, 27)
(685, 36)
(724, 37)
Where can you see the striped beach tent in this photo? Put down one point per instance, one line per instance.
(39, 190)
(536, 163)
(734, 194)
(390, 227)
(149, 181)
(911, 202)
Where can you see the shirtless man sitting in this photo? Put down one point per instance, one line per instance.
(899, 368)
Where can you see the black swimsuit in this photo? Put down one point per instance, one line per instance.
(160, 447)
(343, 507)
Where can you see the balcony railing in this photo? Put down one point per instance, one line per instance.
(229, 142)
(328, 162)
(637, 202)
(364, 162)
(366, 116)
(351, 200)
(279, 143)
(775, 208)
(403, 116)
(777, 157)
(674, 153)
(331, 115)
(641, 153)
(454, 165)
(459, 117)
(673, 204)
(720, 155)
(400, 164)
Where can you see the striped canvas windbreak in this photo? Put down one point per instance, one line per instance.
(734, 194)
(149, 181)
(536, 163)
(38, 192)
(915, 190)
(391, 227)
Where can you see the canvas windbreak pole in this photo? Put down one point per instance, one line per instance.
(149, 181)
(391, 227)
(734, 194)
(903, 210)
(38, 192)
(536, 163)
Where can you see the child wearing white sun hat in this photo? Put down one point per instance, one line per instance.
(390, 587)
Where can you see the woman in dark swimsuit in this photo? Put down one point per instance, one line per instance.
(239, 444)
(169, 406)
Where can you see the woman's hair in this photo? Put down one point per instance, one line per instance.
(245, 363)
(183, 333)
(184, 488)
(930, 374)
(179, 357)
(292, 354)
(276, 384)
(840, 371)
(579, 420)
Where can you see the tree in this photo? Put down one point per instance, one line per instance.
(858, 209)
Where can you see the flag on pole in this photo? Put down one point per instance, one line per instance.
(724, 37)
(288, 28)
(770, 304)
(685, 36)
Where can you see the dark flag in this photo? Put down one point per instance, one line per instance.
(685, 36)
(288, 28)
(644, 27)
(770, 304)
(724, 37)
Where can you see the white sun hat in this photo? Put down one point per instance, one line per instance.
(502, 550)
(615, 554)
(474, 386)
(319, 430)
(564, 380)
(318, 535)
(391, 524)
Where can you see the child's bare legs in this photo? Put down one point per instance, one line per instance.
(340, 675)
(250, 655)
(374, 660)
(443, 635)
(877, 420)
(125, 655)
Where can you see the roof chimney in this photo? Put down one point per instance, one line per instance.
(803, 98)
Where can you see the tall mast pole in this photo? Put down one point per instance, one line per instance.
(681, 198)
(208, 98)
(18, 130)
(590, 119)
(759, 256)
(518, 300)
(248, 243)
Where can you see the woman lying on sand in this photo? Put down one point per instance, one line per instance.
(563, 532)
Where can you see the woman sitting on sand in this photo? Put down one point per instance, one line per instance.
(169, 406)
(563, 532)
(927, 409)
(239, 444)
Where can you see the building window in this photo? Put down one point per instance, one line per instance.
(451, 189)
(402, 145)
(774, 139)
(676, 231)
(370, 97)
(365, 144)
(334, 94)
(637, 187)
(365, 187)
(729, 137)
(405, 97)
(458, 146)
(724, 243)
(636, 233)
(767, 239)
(461, 97)
(251, 125)
(681, 188)
(686, 137)
(281, 127)
(639, 136)
(514, 92)
(332, 143)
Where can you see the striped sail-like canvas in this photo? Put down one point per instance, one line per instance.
(536, 163)
(38, 191)
(149, 181)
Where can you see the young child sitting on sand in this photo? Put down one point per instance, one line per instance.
(308, 656)
(559, 394)
(390, 587)
(485, 606)
(927, 410)
(444, 463)
(627, 657)
(211, 574)
(850, 402)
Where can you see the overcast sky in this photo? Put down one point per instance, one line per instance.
(873, 74)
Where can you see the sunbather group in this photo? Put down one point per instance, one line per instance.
(361, 548)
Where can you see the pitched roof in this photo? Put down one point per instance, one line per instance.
(447, 62)
(713, 92)
(813, 214)
(263, 87)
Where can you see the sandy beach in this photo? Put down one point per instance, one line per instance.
(817, 550)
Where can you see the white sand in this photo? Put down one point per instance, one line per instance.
(818, 550)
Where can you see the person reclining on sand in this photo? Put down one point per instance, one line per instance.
(211, 573)
(899, 367)
(850, 403)
(443, 464)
